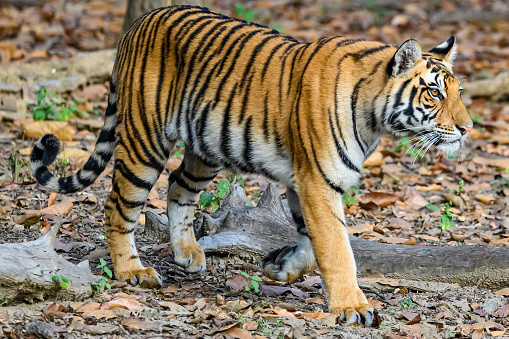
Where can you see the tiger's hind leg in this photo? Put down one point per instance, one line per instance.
(185, 183)
(132, 183)
(290, 262)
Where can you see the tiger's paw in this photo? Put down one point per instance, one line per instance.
(145, 277)
(288, 263)
(190, 256)
(361, 314)
(353, 309)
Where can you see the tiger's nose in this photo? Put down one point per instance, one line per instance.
(464, 129)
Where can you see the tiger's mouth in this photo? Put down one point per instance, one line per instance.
(424, 139)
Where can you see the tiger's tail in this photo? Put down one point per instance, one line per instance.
(47, 147)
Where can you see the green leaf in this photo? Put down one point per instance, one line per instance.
(206, 199)
(223, 188)
(256, 285)
(247, 288)
(279, 28)
(39, 114)
(40, 95)
(239, 8)
(177, 154)
(108, 272)
(349, 199)
(108, 286)
(245, 275)
(256, 278)
(215, 205)
(446, 223)
(64, 284)
(103, 262)
(432, 207)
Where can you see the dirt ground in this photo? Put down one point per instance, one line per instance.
(388, 205)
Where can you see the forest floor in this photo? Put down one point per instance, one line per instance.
(389, 205)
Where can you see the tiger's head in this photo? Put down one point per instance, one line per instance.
(425, 97)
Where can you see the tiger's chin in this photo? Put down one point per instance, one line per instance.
(450, 148)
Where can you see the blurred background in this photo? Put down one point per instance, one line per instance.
(31, 30)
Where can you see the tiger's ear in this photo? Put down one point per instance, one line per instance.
(446, 50)
(404, 59)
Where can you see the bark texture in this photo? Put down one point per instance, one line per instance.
(26, 271)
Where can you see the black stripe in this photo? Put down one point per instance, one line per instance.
(175, 201)
(192, 177)
(269, 59)
(126, 202)
(368, 52)
(353, 102)
(248, 147)
(179, 181)
(324, 176)
(225, 131)
(266, 117)
(43, 176)
(131, 177)
(344, 157)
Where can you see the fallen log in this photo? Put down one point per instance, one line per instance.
(244, 231)
(26, 271)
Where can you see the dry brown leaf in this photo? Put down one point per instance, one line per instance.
(99, 314)
(141, 324)
(27, 219)
(485, 199)
(319, 301)
(504, 163)
(504, 291)
(432, 187)
(249, 325)
(317, 315)
(54, 308)
(153, 194)
(52, 198)
(127, 304)
(238, 333)
(283, 313)
(375, 159)
(380, 198)
(376, 303)
(62, 208)
(414, 200)
(173, 307)
(92, 306)
(25, 151)
(61, 129)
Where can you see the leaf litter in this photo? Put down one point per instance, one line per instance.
(389, 204)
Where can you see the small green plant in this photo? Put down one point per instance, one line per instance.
(48, 107)
(16, 162)
(349, 199)
(407, 303)
(103, 281)
(62, 166)
(61, 280)
(246, 14)
(393, 312)
(253, 282)
(446, 213)
(212, 199)
(382, 325)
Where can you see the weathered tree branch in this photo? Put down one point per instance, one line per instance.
(242, 230)
(26, 271)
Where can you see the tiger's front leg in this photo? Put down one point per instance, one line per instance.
(322, 209)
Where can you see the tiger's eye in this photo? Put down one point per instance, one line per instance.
(434, 92)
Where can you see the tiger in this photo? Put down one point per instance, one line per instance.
(244, 97)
